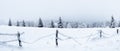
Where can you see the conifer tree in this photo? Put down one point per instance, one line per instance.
(112, 24)
(40, 24)
(52, 24)
(18, 24)
(23, 24)
(60, 23)
(10, 23)
(119, 24)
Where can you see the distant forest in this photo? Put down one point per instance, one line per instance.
(60, 23)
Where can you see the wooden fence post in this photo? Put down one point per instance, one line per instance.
(56, 38)
(101, 34)
(117, 31)
(19, 40)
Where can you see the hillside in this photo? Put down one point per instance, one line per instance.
(69, 39)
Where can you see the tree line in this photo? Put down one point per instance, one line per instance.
(64, 24)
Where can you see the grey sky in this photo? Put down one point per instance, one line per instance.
(84, 10)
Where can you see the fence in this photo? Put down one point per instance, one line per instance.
(56, 34)
(18, 35)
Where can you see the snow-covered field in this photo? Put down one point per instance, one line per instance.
(70, 39)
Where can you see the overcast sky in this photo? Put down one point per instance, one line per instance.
(83, 10)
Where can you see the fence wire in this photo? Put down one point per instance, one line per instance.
(53, 34)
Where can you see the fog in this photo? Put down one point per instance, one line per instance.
(69, 10)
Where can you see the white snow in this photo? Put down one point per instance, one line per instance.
(70, 39)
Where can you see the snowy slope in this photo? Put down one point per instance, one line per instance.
(43, 39)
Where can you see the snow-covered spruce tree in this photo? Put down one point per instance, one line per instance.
(88, 26)
(74, 25)
(60, 23)
(29, 24)
(119, 24)
(23, 23)
(112, 23)
(52, 25)
(66, 25)
(10, 23)
(18, 24)
(40, 23)
(94, 25)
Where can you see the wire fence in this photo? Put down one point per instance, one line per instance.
(99, 33)
(18, 35)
